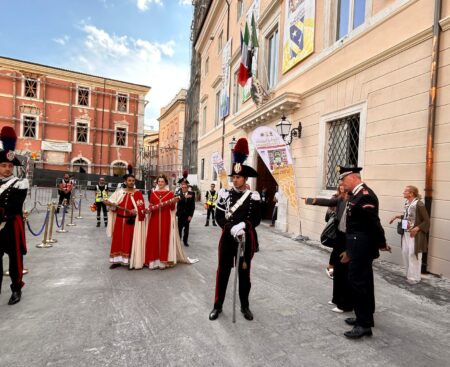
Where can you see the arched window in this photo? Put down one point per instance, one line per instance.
(119, 169)
(80, 165)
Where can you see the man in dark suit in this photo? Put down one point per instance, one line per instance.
(185, 210)
(364, 238)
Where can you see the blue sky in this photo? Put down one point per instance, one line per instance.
(139, 41)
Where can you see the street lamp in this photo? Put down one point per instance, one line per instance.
(232, 143)
(284, 129)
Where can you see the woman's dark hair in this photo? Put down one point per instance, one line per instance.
(163, 177)
(125, 177)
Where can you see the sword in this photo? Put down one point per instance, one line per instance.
(240, 251)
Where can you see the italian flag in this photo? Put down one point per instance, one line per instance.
(243, 68)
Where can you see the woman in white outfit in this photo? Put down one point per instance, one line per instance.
(416, 224)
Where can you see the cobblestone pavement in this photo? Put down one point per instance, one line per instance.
(75, 311)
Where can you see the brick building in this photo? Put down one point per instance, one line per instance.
(70, 120)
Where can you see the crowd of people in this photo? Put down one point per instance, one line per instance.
(151, 236)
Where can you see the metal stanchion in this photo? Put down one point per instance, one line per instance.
(79, 208)
(50, 231)
(63, 225)
(44, 243)
(71, 224)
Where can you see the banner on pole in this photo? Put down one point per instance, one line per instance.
(253, 10)
(224, 93)
(276, 156)
(219, 167)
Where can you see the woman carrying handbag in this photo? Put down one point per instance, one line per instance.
(341, 288)
(415, 224)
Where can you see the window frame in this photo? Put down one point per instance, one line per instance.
(206, 65)
(237, 93)
(217, 109)
(89, 96)
(75, 135)
(38, 82)
(22, 126)
(268, 36)
(239, 9)
(220, 42)
(351, 17)
(116, 130)
(324, 121)
(204, 118)
(127, 95)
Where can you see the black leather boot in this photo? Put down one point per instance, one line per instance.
(214, 314)
(207, 224)
(15, 297)
(247, 313)
(358, 332)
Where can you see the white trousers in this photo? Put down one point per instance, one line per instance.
(413, 264)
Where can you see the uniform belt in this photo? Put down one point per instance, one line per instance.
(126, 216)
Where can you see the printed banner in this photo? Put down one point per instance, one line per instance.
(298, 40)
(224, 93)
(276, 156)
(253, 9)
(219, 167)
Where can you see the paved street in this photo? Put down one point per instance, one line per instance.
(75, 311)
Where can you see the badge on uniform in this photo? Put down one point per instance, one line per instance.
(237, 168)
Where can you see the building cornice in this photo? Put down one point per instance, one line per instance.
(281, 105)
(216, 81)
(212, 16)
(268, 12)
(445, 23)
(51, 71)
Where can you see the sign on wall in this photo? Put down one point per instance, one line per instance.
(298, 40)
(56, 146)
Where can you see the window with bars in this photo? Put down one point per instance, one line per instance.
(29, 127)
(31, 88)
(83, 96)
(343, 143)
(121, 136)
(82, 132)
(122, 102)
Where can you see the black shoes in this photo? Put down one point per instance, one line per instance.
(214, 224)
(98, 224)
(247, 313)
(215, 314)
(186, 244)
(350, 321)
(113, 266)
(15, 298)
(358, 332)
(206, 224)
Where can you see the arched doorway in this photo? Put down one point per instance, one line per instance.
(266, 180)
(80, 165)
(118, 169)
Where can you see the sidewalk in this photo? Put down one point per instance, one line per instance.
(75, 311)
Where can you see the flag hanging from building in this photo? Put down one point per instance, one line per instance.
(251, 19)
(243, 71)
(299, 26)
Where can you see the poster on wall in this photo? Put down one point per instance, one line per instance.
(224, 92)
(253, 10)
(298, 42)
(219, 167)
(276, 156)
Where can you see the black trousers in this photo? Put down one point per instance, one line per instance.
(15, 261)
(210, 212)
(227, 254)
(63, 195)
(342, 293)
(183, 223)
(101, 206)
(274, 214)
(360, 276)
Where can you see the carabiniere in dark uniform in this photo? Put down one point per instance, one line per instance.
(364, 238)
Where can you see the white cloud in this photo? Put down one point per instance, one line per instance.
(62, 40)
(185, 2)
(133, 60)
(144, 4)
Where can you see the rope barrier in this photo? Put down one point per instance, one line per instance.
(75, 204)
(56, 219)
(43, 226)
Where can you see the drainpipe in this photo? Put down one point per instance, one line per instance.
(432, 117)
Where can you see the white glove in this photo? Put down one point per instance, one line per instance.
(238, 229)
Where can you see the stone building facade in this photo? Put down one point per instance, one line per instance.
(362, 96)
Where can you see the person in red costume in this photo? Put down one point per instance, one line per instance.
(128, 207)
(160, 231)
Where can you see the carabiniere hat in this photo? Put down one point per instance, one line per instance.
(345, 171)
(9, 138)
(240, 154)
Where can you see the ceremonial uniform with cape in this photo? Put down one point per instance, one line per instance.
(13, 192)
